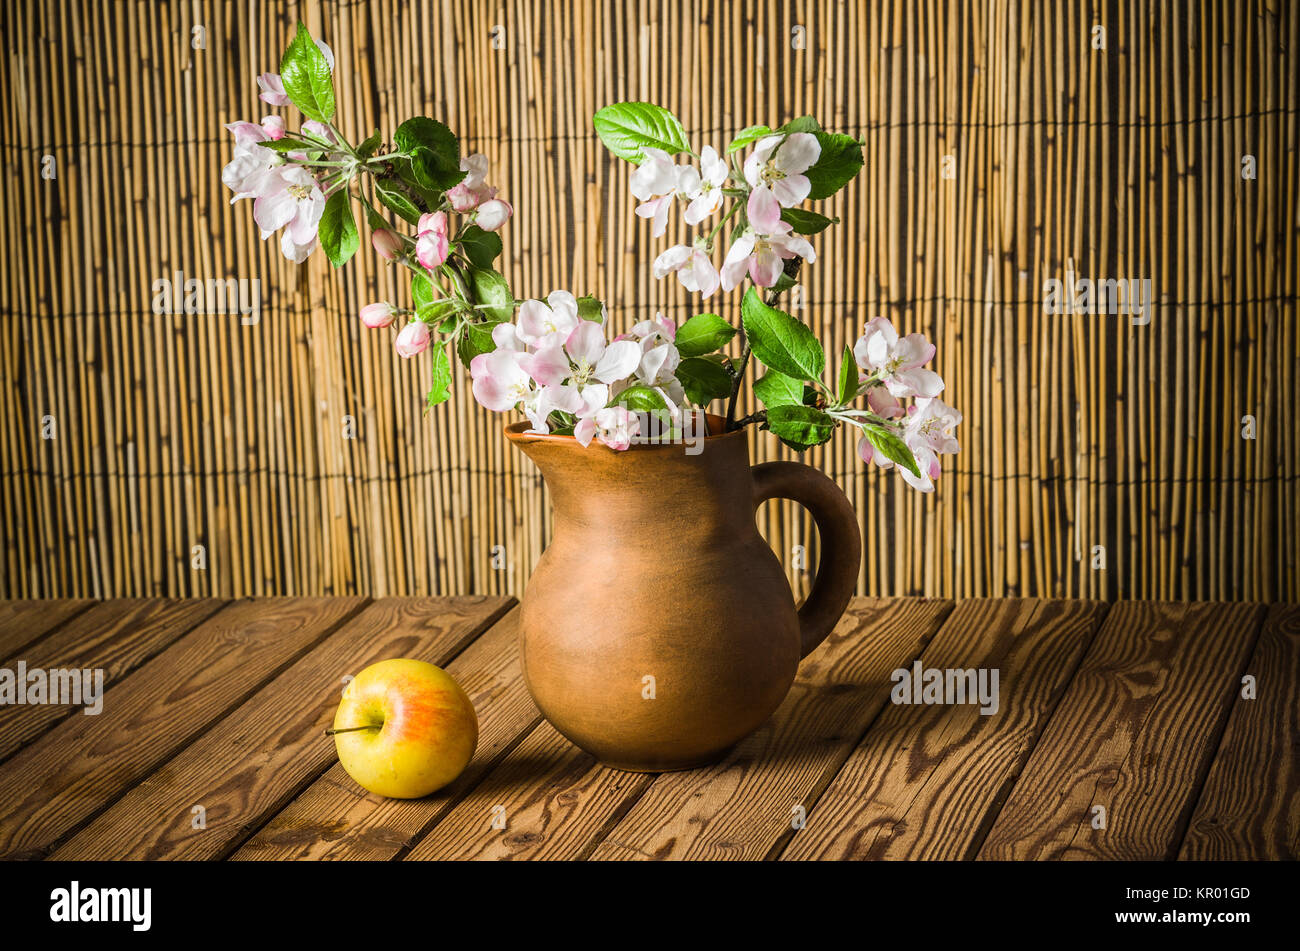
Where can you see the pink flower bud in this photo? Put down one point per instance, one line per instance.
(431, 249)
(491, 215)
(273, 126)
(432, 221)
(377, 315)
(414, 339)
(387, 243)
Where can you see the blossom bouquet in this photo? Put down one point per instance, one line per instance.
(555, 359)
(637, 525)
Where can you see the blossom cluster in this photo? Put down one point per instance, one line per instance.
(566, 374)
(891, 370)
(290, 186)
(305, 183)
(773, 180)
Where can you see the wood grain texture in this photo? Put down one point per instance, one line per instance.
(267, 750)
(334, 818)
(1250, 805)
(1134, 734)
(556, 802)
(926, 780)
(22, 622)
(740, 808)
(65, 778)
(114, 636)
(999, 146)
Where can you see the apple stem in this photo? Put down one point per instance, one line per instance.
(352, 729)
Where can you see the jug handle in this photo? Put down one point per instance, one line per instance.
(841, 542)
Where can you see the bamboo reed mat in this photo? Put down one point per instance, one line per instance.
(1001, 142)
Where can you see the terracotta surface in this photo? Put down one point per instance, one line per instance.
(657, 569)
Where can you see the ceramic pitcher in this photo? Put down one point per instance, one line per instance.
(658, 628)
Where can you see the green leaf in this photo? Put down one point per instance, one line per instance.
(891, 447)
(840, 161)
(434, 151)
(777, 389)
(441, 388)
(703, 334)
(591, 308)
(437, 314)
(703, 380)
(306, 77)
(802, 124)
(639, 399)
(367, 148)
(415, 189)
(421, 289)
(806, 222)
(338, 229)
(491, 289)
(481, 247)
(627, 128)
(747, 135)
(800, 426)
(289, 144)
(399, 203)
(475, 339)
(848, 377)
(783, 343)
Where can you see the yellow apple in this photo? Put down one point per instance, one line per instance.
(404, 729)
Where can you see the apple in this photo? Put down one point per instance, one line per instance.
(404, 729)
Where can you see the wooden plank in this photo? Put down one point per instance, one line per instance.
(52, 787)
(924, 779)
(334, 818)
(740, 808)
(113, 636)
(556, 802)
(1133, 734)
(265, 752)
(1250, 806)
(22, 622)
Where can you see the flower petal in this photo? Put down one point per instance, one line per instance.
(619, 360)
(800, 152)
(764, 210)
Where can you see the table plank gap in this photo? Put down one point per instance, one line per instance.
(24, 623)
(926, 777)
(79, 768)
(1249, 807)
(272, 745)
(1131, 735)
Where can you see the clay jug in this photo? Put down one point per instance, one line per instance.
(658, 627)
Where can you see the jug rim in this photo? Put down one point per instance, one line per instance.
(518, 432)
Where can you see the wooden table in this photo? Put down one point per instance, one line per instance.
(210, 742)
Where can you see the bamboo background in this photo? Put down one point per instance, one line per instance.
(1080, 431)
